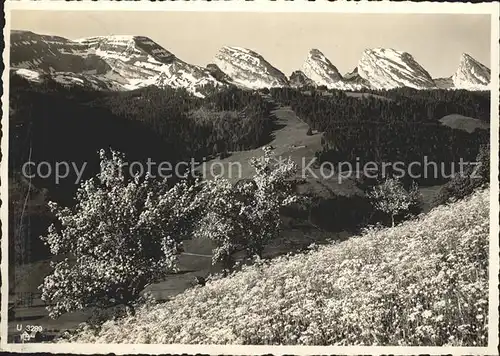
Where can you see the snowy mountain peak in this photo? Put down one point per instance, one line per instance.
(467, 57)
(320, 70)
(119, 62)
(471, 74)
(318, 55)
(249, 69)
(387, 68)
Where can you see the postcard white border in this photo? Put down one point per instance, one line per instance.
(265, 6)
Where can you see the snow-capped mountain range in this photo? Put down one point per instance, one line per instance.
(121, 62)
(109, 62)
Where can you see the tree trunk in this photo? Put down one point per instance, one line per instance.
(227, 265)
(255, 251)
(130, 309)
(392, 217)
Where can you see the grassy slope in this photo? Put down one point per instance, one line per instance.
(423, 282)
(289, 140)
(464, 123)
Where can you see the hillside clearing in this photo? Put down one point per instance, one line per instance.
(464, 123)
(424, 282)
(290, 139)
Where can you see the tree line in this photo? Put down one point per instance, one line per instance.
(399, 125)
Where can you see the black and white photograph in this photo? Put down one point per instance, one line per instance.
(286, 180)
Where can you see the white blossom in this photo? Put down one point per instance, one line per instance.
(121, 235)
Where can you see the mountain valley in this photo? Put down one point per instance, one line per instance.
(78, 100)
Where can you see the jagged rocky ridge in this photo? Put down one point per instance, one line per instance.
(131, 62)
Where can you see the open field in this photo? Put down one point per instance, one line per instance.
(464, 123)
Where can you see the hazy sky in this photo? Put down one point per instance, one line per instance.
(436, 41)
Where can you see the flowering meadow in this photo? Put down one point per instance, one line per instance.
(423, 282)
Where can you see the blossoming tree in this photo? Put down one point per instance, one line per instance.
(123, 234)
(392, 198)
(246, 216)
